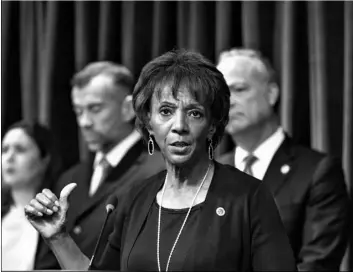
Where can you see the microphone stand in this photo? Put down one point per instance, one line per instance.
(109, 208)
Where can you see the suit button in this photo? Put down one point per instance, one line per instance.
(77, 230)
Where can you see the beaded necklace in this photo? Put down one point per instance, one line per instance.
(182, 226)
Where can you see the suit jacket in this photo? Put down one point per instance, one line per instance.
(86, 214)
(249, 236)
(312, 199)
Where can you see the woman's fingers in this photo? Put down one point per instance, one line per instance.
(41, 203)
(47, 202)
(30, 211)
(52, 197)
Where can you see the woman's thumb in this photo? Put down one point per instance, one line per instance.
(65, 193)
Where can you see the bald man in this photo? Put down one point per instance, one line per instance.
(308, 186)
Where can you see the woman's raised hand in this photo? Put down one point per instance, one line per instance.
(47, 213)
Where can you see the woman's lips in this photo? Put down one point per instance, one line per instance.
(179, 147)
(179, 144)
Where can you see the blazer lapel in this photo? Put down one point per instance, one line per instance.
(144, 204)
(117, 176)
(280, 168)
(79, 198)
(210, 204)
(208, 211)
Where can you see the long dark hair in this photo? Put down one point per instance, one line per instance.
(43, 138)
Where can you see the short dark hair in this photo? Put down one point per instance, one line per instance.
(43, 138)
(119, 73)
(181, 67)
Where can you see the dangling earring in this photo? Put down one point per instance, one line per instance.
(210, 150)
(150, 146)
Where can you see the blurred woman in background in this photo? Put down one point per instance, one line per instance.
(28, 165)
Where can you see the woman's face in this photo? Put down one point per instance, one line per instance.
(180, 126)
(21, 160)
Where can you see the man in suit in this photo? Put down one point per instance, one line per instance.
(308, 186)
(102, 101)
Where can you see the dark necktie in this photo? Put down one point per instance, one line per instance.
(103, 169)
(249, 161)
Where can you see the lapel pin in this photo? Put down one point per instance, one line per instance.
(285, 169)
(220, 211)
(77, 230)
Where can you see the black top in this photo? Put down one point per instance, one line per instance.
(144, 252)
(247, 236)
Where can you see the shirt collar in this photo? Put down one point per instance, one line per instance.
(265, 151)
(115, 155)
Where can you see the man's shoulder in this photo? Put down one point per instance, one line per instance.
(226, 158)
(76, 168)
(312, 161)
(307, 154)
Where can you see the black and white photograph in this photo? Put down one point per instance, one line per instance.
(177, 135)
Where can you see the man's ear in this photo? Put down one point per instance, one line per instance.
(273, 93)
(127, 110)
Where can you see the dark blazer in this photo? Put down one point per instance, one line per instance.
(312, 199)
(86, 214)
(250, 236)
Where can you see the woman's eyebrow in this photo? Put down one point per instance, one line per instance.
(195, 105)
(167, 103)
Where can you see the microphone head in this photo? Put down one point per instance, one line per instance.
(109, 208)
(111, 203)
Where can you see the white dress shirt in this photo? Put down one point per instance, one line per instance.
(19, 241)
(113, 157)
(264, 153)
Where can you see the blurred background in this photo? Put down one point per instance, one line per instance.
(310, 44)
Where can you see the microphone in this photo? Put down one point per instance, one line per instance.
(111, 205)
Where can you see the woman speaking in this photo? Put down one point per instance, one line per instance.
(197, 214)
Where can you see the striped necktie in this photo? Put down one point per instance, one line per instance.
(100, 173)
(249, 161)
